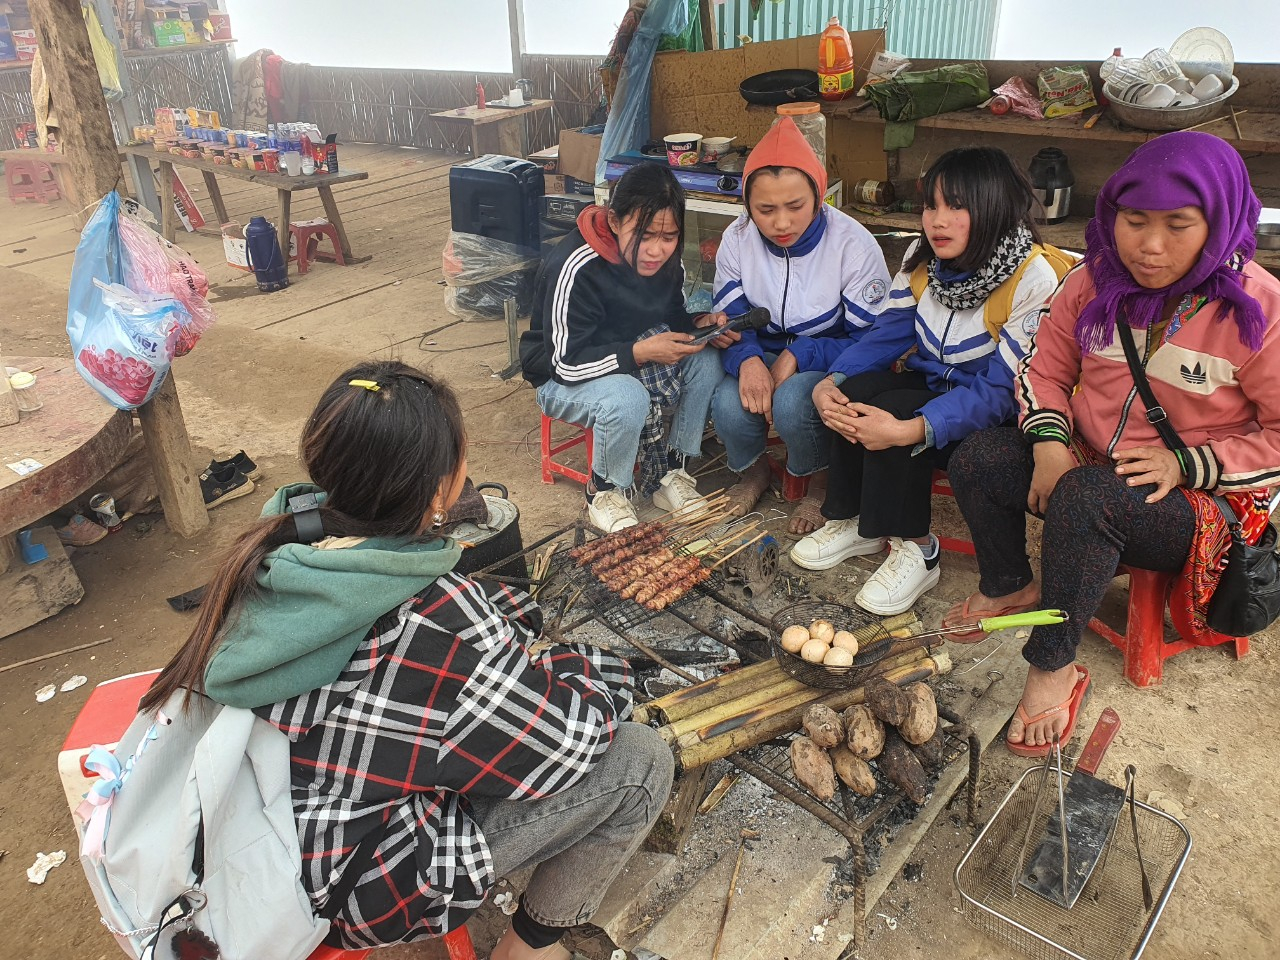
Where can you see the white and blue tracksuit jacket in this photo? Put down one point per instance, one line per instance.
(973, 372)
(823, 291)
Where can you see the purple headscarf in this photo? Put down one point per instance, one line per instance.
(1185, 169)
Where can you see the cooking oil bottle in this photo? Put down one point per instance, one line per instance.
(835, 61)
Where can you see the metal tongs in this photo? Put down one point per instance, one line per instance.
(1055, 751)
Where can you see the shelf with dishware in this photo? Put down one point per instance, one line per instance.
(1069, 234)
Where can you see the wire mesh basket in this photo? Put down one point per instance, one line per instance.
(874, 642)
(1108, 922)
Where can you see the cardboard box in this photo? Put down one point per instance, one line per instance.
(168, 122)
(25, 51)
(583, 188)
(221, 26)
(578, 154)
(170, 33)
(548, 159)
(24, 36)
(553, 183)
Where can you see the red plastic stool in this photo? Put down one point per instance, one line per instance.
(942, 488)
(31, 180)
(307, 234)
(550, 468)
(1142, 642)
(793, 488)
(105, 717)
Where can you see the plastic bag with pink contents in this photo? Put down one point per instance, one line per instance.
(153, 265)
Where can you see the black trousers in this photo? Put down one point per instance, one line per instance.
(889, 491)
(1094, 522)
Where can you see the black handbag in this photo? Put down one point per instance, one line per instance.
(1247, 598)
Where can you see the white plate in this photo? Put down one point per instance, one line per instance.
(1204, 50)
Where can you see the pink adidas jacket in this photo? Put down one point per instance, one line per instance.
(1221, 397)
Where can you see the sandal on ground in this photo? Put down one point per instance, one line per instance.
(961, 614)
(1072, 707)
(810, 509)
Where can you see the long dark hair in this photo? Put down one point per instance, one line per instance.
(649, 189)
(986, 182)
(380, 455)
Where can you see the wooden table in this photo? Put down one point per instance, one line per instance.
(497, 130)
(79, 438)
(284, 184)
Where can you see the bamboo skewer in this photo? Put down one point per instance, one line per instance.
(754, 540)
(728, 900)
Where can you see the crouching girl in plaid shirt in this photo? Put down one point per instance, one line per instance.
(431, 752)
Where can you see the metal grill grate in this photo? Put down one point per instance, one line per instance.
(1108, 922)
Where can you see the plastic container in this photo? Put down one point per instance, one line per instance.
(1109, 65)
(835, 62)
(812, 123)
(25, 392)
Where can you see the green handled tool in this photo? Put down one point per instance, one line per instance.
(1029, 618)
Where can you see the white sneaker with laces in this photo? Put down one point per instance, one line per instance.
(677, 491)
(832, 543)
(901, 579)
(610, 510)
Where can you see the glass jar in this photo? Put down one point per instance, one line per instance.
(812, 123)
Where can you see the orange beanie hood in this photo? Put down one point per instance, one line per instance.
(785, 146)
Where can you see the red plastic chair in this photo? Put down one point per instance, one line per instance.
(31, 180)
(1143, 641)
(793, 488)
(550, 467)
(307, 234)
(105, 717)
(942, 488)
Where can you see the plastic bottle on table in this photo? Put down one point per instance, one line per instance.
(1109, 65)
(272, 142)
(835, 61)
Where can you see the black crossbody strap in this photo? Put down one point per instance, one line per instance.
(1155, 413)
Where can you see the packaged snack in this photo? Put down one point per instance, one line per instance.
(1065, 90)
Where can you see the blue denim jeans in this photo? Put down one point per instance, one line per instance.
(615, 407)
(795, 419)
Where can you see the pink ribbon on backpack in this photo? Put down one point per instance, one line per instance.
(95, 809)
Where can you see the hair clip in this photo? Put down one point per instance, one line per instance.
(370, 385)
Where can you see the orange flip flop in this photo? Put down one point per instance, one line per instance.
(961, 613)
(1072, 705)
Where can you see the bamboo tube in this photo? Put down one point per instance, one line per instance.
(739, 702)
(686, 700)
(692, 752)
(722, 718)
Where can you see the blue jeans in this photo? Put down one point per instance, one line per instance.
(614, 408)
(795, 419)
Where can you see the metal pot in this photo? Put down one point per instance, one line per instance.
(1268, 236)
(498, 537)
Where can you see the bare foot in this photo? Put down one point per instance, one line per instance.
(807, 516)
(751, 485)
(1044, 690)
(511, 947)
(978, 605)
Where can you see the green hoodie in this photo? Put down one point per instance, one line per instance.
(313, 608)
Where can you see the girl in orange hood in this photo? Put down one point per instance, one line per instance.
(822, 277)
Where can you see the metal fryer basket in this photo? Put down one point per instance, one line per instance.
(1108, 922)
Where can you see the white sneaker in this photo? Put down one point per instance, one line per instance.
(610, 510)
(832, 543)
(677, 492)
(901, 579)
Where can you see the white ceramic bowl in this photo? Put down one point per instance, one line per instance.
(1168, 118)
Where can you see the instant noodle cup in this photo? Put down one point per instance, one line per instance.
(683, 149)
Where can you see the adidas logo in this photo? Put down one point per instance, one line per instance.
(1194, 375)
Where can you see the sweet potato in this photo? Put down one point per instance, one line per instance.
(930, 752)
(922, 714)
(864, 732)
(812, 767)
(853, 770)
(823, 725)
(887, 701)
(903, 769)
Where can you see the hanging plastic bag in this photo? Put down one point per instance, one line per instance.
(153, 265)
(123, 341)
(104, 56)
(481, 273)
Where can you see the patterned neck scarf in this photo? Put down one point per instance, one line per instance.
(972, 291)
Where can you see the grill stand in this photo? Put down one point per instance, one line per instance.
(846, 822)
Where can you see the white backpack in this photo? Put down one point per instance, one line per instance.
(199, 834)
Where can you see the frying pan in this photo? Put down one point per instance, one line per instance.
(780, 86)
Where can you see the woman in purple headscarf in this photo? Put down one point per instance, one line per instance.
(1169, 257)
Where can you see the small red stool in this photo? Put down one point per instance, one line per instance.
(942, 488)
(550, 468)
(793, 488)
(103, 720)
(1142, 642)
(31, 180)
(307, 234)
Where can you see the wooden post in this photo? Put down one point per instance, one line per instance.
(515, 16)
(94, 162)
(708, 25)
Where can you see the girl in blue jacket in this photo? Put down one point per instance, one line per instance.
(892, 429)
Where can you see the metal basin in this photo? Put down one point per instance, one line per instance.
(1170, 118)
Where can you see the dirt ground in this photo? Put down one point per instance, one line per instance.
(1205, 738)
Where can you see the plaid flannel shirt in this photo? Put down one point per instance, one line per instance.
(440, 702)
(665, 384)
